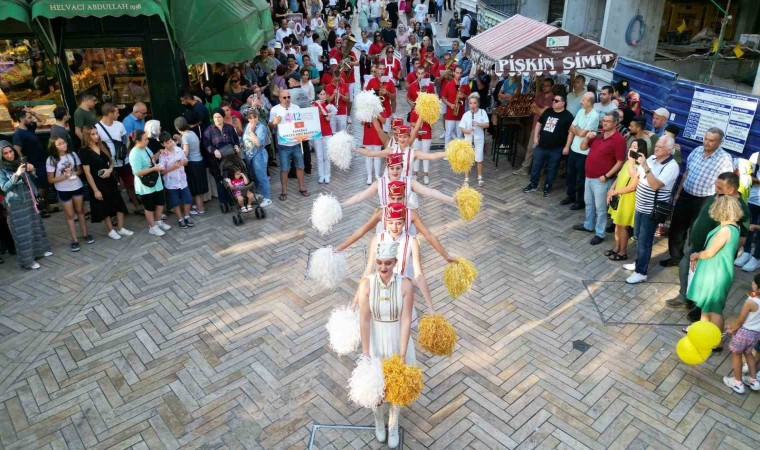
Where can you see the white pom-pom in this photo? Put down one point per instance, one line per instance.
(366, 387)
(325, 213)
(367, 106)
(339, 148)
(327, 267)
(343, 329)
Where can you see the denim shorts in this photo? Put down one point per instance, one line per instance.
(178, 197)
(285, 155)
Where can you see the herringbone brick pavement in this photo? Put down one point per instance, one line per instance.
(212, 338)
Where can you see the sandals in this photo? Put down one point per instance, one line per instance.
(609, 253)
(304, 193)
(283, 197)
(618, 257)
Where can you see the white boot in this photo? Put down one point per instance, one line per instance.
(393, 426)
(379, 413)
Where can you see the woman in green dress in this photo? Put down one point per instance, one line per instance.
(625, 190)
(713, 267)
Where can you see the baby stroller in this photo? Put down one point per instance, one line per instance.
(229, 163)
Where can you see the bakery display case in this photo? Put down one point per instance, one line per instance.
(27, 79)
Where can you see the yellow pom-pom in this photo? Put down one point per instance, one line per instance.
(403, 383)
(461, 155)
(437, 335)
(428, 107)
(458, 277)
(468, 200)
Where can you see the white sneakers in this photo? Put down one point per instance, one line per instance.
(752, 265)
(155, 230)
(46, 254)
(163, 226)
(113, 234)
(629, 266)
(636, 278)
(742, 259)
(426, 180)
(266, 202)
(125, 232)
(35, 266)
(481, 183)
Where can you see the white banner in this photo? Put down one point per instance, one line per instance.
(303, 123)
(732, 113)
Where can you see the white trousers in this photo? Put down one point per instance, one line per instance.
(338, 123)
(452, 131)
(370, 162)
(424, 146)
(323, 161)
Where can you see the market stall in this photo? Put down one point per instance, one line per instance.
(523, 46)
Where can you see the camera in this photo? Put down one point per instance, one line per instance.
(634, 155)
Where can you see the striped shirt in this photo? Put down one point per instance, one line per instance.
(666, 172)
(702, 171)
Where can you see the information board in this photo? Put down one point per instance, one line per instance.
(301, 123)
(732, 113)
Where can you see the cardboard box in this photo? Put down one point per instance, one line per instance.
(690, 13)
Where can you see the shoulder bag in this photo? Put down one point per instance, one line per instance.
(120, 150)
(150, 179)
(662, 209)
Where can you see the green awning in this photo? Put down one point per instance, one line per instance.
(221, 31)
(68, 9)
(16, 10)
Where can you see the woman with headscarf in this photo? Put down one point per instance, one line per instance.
(153, 130)
(20, 200)
(364, 15)
(402, 39)
(217, 136)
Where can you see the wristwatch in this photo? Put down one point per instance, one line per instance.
(647, 171)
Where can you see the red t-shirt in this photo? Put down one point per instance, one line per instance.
(337, 54)
(348, 77)
(370, 134)
(411, 78)
(544, 101)
(450, 94)
(441, 67)
(376, 48)
(604, 153)
(392, 67)
(375, 83)
(414, 89)
(426, 131)
(324, 122)
(342, 90)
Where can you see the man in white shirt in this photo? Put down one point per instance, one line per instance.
(464, 34)
(111, 130)
(574, 97)
(283, 31)
(586, 119)
(606, 104)
(420, 11)
(315, 53)
(284, 113)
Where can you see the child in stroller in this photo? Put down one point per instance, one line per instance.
(240, 186)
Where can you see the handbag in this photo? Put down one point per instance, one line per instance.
(150, 179)
(120, 150)
(662, 209)
(615, 200)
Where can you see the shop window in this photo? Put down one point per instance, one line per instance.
(114, 75)
(27, 79)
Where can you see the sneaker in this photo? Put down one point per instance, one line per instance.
(35, 266)
(742, 259)
(195, 212)
(156, 231)
(629, 266)
(636, 278)
(327, 180)
(734, 384)
(580, 227)
(75, 247)
(596, 240)
(670, 262)
(189, 221)
(676, 303)
(752, 265)
(566, 201)
(163, 216)
(245, 209)
(369, 181)
(266, 202)
(183, 224)
(321, 180)
(545, 193)
(481, 183)
(125, 232)
(578, 206)
(113, 234)
(426, 180)
(89, 239)
(163, 226)
(754, 385)
(529, 188)
(46, 254)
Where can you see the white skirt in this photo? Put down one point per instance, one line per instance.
(385, 341)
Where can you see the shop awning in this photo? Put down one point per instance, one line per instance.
(67, 9)
(15, 10)
(221, 31)
(523, 45)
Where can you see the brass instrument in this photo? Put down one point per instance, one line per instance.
(458, 103)
(345, 63)
(451, 61)
(426, 65)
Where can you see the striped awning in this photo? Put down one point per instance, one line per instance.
(526, 46)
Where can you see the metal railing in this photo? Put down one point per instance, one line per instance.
(506, 7)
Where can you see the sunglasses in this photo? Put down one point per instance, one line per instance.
(286, 98)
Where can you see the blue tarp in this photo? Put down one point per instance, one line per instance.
(658, 87)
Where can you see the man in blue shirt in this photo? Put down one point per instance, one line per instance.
(136, 120)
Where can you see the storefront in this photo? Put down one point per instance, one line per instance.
(27, 73)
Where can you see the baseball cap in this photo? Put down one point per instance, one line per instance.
(277, 45)
(333, 62)
(662, 112)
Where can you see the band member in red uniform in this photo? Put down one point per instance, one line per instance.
(414, 87)
(326, 111)
(386, 90)
(372, 141)
(392, 65)
(337, 94)
(454, 96)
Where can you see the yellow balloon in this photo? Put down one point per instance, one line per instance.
(704, 335)
(689, 353)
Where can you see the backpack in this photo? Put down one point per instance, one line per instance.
(473, 25)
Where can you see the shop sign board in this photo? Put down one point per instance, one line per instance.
(732, 113)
